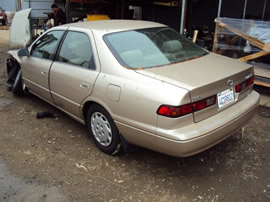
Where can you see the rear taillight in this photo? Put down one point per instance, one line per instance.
(171, 111)
(245, 84)
(174, 112)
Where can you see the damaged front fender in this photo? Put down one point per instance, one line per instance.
(14, 54)
(13, 67)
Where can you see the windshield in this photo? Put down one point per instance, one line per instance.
(152, 47)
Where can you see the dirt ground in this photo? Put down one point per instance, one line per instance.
(53, 159)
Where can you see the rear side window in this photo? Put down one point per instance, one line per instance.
(46, 46)
(76, 50)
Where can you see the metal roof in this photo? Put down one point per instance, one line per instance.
(109, 26)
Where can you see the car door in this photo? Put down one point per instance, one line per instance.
(73, 74)
(35, 68)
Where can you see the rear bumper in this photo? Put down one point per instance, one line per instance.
(211, 131)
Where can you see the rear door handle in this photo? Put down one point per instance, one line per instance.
(44, 73)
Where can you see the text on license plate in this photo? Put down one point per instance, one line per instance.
(225, 97)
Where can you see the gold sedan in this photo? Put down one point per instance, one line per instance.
(137, 82)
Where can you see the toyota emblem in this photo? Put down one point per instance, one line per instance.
(230, 82)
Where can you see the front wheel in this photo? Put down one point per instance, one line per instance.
(103, 130)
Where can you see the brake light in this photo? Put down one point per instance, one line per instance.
(174, 112)
(245, 84)
(171, 111)
(250, 81)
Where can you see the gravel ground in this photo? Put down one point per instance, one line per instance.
(53, 159)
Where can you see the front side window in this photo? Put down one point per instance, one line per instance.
(151, 47)
(46, 46)
(76, 50)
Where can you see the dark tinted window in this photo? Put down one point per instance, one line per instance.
(151, 47)
(76, 50)
(45, 47)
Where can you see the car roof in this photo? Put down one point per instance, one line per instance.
(110, 26)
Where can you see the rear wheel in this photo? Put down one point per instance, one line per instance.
(17, 88)
(103, 130)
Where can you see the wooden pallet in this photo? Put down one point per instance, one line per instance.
(260, 72)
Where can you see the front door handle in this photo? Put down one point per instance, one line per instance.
(44, 73)
(84, 85)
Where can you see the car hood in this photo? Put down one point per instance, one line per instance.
(20, 33)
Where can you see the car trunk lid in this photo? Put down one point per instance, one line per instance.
(210, 75)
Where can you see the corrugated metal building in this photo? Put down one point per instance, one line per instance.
(39, 7)
(9, 5)
(198, 12)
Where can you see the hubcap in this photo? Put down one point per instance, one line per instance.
(101, 129)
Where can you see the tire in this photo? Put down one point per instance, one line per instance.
(17, 88)
(103, 130)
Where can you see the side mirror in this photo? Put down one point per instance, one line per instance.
(23, 52)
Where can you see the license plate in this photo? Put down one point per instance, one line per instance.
(225, 97)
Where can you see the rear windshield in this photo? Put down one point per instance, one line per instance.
(153, 47)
